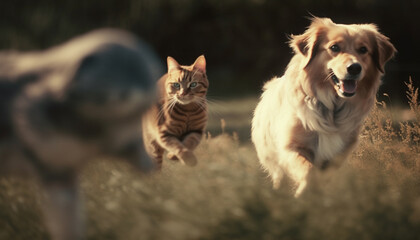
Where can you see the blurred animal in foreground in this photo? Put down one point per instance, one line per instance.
(177, 122)
(311, 117)
(61, 107)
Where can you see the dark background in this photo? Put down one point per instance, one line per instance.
(244, 41)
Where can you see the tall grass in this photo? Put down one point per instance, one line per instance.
(375, 195)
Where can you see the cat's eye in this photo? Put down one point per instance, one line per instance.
(176, 85)
(335, 48)
(193, 85)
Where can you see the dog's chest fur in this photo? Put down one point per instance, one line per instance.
(331, 128)
(329, 145)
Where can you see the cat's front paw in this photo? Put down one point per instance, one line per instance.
(188, 158)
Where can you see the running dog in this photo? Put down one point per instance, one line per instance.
(312, 116)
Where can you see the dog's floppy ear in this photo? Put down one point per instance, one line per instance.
(383, 50)
(307, 43)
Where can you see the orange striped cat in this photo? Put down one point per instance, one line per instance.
(177, 122)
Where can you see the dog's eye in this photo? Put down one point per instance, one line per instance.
(363, 50)
(335, 48)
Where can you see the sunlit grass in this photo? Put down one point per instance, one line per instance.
(232, 115)
(375, 195)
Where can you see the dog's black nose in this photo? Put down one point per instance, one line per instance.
(354, 69)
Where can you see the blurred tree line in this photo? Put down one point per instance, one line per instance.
(244, 41)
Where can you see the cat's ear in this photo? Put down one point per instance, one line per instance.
(200, 64)
(172, 64)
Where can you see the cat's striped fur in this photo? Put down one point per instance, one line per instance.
(177, 122)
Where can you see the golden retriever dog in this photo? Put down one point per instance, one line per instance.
(311, 117)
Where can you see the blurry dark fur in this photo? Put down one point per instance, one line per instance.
(64, 106)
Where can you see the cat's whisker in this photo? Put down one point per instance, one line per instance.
(172, 105)
(216, 103)
(212, 102)
(202, 105)
(160, 113)
(165, 107)
(214, 107)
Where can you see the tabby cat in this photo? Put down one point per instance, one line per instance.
(177, 122)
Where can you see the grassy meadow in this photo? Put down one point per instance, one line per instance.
(374, 195)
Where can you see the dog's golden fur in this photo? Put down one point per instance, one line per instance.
(311, 117)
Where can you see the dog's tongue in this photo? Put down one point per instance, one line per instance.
(348, 86)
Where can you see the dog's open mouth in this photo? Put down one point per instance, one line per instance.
(347, 87)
